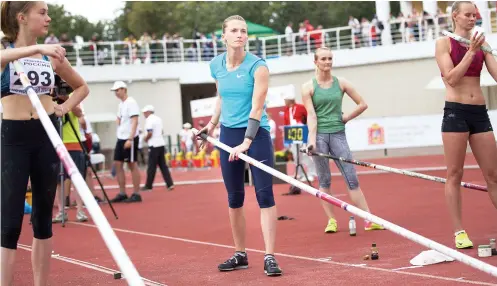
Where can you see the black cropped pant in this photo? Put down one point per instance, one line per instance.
(27, 153)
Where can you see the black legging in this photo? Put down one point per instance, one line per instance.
(27, 153)
(156, 157)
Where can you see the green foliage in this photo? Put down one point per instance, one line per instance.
(186, 17)
(206, 17)
(74, 25)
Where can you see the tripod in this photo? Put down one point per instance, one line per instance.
(88, 161)
(293, 189)
(61, 175)
(298, 165)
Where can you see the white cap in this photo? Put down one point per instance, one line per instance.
(148, 108)
(288, 96)
(118, 84)
(187, 125)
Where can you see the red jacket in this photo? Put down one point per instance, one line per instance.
(299, 114)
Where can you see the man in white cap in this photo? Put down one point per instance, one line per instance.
(296, 114)
(156, 150)
(127, 143)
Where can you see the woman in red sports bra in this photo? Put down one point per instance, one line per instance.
(465, 113)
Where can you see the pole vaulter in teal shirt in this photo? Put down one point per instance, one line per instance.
(236, 89)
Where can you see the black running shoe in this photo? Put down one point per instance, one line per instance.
(237, 261)
(271, 267)
(119, 198)
(134, 198)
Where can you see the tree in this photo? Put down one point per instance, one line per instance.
(73, 25)
(188, 17)
(206, 17)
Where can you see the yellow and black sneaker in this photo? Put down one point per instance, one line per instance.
(332, 226)
(462, 240)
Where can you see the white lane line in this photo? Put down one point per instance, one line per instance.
(291, 256)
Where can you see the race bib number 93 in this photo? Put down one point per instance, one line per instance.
(39, 73)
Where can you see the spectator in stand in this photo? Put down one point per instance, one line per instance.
(288, 37)
(317, 37)
(365, 32)
(442, 21)
(144, 44)
(416, 29)
(191, 53)
(309, 28)
(52, 39)
(130, 43)
(175, 47)
(94, 47)
(355, 27)
(376, 31)
(66, 42)
(302, 38)
(156, 52)
(429, 26)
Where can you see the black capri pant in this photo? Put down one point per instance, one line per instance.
(27, 153)
(233, 172)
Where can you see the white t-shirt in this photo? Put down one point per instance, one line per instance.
(154, 123)
(127, 109)
(88, 125)
(288, 34)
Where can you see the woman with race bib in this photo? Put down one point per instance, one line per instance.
(26, 150)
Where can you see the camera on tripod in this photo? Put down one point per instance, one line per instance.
(61, 90)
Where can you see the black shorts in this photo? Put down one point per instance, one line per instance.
(126, 155)
(470, 118)
(78, 158)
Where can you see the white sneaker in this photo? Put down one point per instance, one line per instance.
(81, 216)
(59, 216)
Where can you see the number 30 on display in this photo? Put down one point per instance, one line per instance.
(295, 134)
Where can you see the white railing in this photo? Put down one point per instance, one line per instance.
(188, 50)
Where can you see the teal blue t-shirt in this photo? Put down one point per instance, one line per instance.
(236, 89)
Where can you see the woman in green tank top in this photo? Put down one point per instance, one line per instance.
(323, 97)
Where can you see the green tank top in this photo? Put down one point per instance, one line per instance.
(328, 106)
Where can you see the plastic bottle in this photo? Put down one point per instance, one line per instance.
(374, 252)
(352, 227)
(492, 246)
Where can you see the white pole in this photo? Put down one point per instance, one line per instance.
(127, 268)
(475, 263)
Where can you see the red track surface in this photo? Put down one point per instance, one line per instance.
(163, 235)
